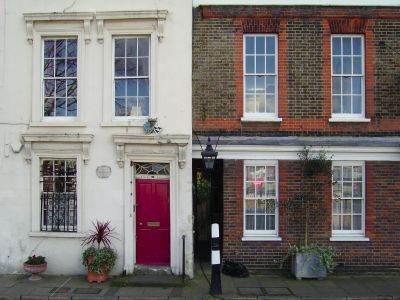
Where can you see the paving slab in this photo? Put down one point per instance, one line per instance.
(130, 291)
(250, 291)
(157, 292)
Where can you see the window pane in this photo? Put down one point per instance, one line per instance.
(49, 88)
(357, 173)
(143, 45)
(250, 206)
(119, 48)
(119, 67)
(357, 65)
(337, 65)
(260, 222)
(347, 222)
(120, 87)
(60, 68)
(270, 104)
(357, 46)
(132, 87)
(357, 222)
(143, 67)
(48, 68)
(250, 84)
(60, 48)
(250, 64)
(144, 87)
(260, 84)
(120, 107)
(132, 107)
(357, 206)
(250, 190)
(347, 190)
(270, 84)
(346, 104)
(357, 189)
(356, 85)
(260, 189)
(60, 107)
(337, 190)
(60, 88)
(271, 173)
(346, 206)
(357, 104)
(143, 104)
(49, 49)
(72, 68)
(336, 104)
(72, 87)
(131, 67)
(260, 45)
(270, 44)
(249, 222)
(336, 206)
(270, 65)
(336, 223)
(131, 47)
(260, 64)
(72, 48)
(71, 107)
(336, 46)
(346, 46)
(347, 173)
(49, 108)
(260, 173)
(347, 65)
(250, 103)
(271, 189)
(249, 45)
(250, 174)
(260, 209)
(270, 206)
(260, 103)
(337, 173)
(270, 222)
(336, 85)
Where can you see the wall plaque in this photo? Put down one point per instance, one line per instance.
(103, 171)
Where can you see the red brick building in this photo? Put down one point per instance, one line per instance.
(273, 79)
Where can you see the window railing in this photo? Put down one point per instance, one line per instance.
(58, 211)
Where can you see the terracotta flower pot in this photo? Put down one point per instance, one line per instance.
(35, 270)
(95, 277)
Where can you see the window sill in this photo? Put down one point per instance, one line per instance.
(132, 123)
(266, 119)
(57, 124)
(255, 238)
(349, 120)
(56, 234)
(349, 239)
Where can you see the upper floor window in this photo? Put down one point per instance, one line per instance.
(348, 200)
(60, 77)
(348, 76)
(260, 75)
(131, 76)
(260, 198)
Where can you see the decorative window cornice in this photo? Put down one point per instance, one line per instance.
(84, 17)
(50, 139)
(180, 141)
(159, 15)
(347, 25)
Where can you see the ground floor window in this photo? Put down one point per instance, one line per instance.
(348, 199)
(58, 197)
(260, 198)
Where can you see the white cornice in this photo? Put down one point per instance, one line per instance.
(127, 15)
(56, 16)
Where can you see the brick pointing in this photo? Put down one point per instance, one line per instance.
(382, 222)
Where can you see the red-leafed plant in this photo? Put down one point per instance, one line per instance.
(101, 234)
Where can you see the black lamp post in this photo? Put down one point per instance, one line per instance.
(209, 155)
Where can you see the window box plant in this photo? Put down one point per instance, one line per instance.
(99, 258)
(311, 260)
(35, 265)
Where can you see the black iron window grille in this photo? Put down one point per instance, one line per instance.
(58, 195)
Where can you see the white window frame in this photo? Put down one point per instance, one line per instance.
(261, 235)
(273, 117)
(42, 78)
(49, 26)
(130, 118)
(350, 117)
(350, 235)
(114, 28)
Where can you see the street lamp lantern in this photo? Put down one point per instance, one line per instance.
(209, 155)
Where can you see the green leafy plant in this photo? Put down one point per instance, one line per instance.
(99, 259)
(325, 254)
(35, 260)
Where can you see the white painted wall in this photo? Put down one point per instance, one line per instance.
(103, 199)
(299, 2)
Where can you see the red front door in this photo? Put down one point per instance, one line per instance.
(152, 222)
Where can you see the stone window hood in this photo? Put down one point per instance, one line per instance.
(157, 145)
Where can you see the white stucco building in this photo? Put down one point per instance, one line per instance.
(79, 79)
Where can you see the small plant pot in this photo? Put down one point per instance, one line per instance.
(35, 270)
(307, 265)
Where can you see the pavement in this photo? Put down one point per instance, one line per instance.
(255, 287)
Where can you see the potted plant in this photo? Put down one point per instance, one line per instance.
(35, 265)
(310, 260)
(99, 258)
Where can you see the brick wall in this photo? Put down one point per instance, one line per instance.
(382, 222)
(304, 68)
